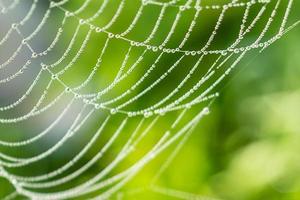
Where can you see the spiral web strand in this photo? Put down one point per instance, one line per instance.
(42, 63)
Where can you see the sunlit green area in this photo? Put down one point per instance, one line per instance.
(245, 149)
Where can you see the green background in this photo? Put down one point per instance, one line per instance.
(247, 148)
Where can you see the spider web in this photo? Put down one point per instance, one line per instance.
(132, 92)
